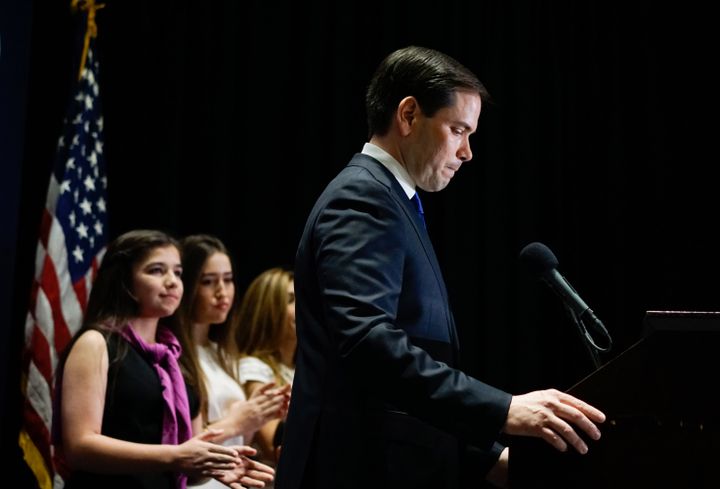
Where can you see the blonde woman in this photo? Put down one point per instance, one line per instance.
(265, 335)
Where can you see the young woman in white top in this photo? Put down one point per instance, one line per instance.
(205, 335)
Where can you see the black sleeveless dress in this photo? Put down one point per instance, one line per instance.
(133, 412)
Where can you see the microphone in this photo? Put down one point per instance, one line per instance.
(542, 263)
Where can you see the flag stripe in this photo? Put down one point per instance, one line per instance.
(51, 289)
(45, 223)
(37, 411)
(42, 359)
(30, 319)
(41, 331)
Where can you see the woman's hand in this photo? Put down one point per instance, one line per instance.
(265, 404)
(249, 473)
(199, 457)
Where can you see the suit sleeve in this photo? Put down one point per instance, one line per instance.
(360, 247)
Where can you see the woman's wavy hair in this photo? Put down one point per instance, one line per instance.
(261, 320)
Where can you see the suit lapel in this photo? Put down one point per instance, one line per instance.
(384, 175)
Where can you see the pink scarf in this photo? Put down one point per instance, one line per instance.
(163, 356)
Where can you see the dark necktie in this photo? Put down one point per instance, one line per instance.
(418, 206)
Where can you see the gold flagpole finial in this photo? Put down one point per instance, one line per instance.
(91, 8)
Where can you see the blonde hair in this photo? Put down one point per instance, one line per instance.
(262, 317)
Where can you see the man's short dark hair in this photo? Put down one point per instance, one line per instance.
(428, 75)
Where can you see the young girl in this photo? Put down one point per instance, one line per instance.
(265, 334)
(209, 348)
(125, 414)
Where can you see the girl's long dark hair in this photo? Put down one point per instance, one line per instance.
(111, 304)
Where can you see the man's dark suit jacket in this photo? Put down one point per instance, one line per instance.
(375, 401)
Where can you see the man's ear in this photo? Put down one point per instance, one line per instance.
(406, 114)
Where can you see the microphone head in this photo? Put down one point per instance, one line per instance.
(538, 259)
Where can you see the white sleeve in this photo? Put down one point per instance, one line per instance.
(252, 369)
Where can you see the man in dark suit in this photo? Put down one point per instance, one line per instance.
(376, 401)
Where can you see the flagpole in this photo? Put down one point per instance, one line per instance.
(91, 8)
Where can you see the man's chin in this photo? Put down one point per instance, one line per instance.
(434, 186)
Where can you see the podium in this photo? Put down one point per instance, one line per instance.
(662, 401)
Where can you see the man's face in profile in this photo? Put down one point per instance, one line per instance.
(439, 145)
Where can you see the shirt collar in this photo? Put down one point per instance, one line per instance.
(400, 173)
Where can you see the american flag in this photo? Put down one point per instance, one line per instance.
(71, 244)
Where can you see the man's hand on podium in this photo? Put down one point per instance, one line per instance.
(550, 415)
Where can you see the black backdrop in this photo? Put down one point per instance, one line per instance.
(229, 117)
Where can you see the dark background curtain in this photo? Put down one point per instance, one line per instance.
(230, 117)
